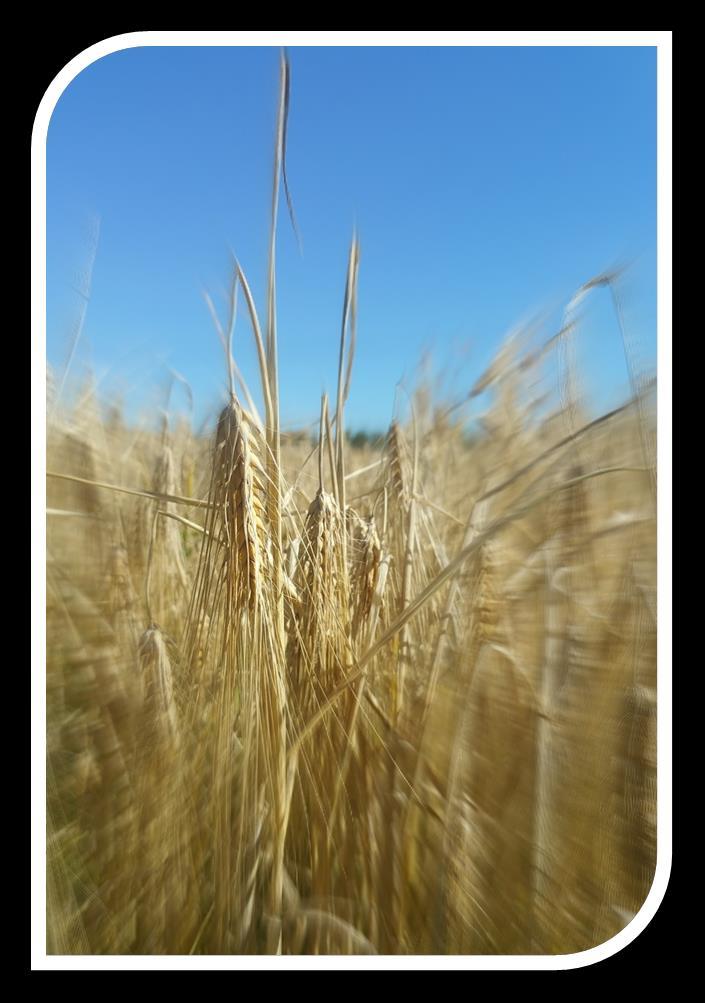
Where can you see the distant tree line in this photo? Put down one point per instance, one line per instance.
(370, 439)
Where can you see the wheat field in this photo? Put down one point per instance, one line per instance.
(306, 697)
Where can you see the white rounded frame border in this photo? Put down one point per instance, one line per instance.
(663, 42)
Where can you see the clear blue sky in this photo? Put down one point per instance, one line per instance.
(486, 184)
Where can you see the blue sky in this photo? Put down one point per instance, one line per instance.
(485, 183)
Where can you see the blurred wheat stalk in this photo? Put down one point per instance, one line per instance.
(403, 703)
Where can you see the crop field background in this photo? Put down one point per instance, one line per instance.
(317, 694)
